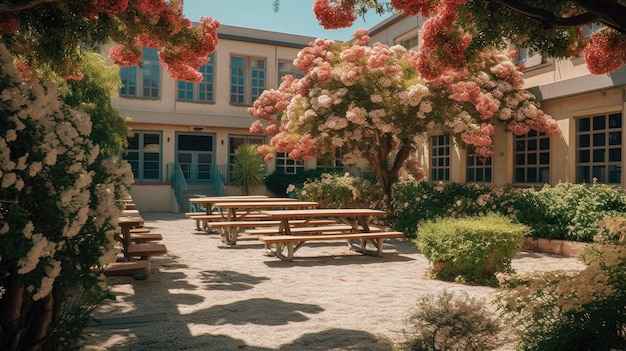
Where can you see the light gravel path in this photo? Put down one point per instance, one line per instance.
(205, 295)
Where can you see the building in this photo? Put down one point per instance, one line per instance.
(184, 135)
(190, 131)
(589, 110)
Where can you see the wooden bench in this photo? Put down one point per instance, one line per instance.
(230, 228)
(286, 245)
(139, 230)
(324, 227)
(145, 237)
(145, 250)
(138, 269)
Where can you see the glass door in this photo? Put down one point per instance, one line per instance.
(194, 154)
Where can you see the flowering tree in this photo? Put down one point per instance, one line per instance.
(371, 103)
(57, 214)
(49, 35)
(554, 28)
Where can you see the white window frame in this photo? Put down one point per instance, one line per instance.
(146, 79)
(599, 141)
(287, 68)
(478, 171)
(202, 92)
(440, 158)
(531, 158)
(247, 81)
(145, 155)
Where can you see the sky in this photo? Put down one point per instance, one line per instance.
(293, 17)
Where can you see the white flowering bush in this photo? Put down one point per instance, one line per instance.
(581, 311)
(57, 215)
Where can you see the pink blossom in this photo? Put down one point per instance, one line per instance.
(333, 14)
(518, 128)
(605, 51)
(124, 56)
(413, 7)
(361, 37)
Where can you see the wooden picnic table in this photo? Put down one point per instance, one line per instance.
(126, 222)
(287, 240)
(208, 201)
(237, 211)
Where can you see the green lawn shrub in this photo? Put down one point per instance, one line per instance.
(470, 249)
(278, 182)
(341, 191)
(568, 211)
(414, 202)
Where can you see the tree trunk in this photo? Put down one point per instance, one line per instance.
(386, 175)
(24, 323)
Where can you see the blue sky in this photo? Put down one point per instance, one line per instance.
(294, 16)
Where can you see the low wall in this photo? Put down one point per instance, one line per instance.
(158, 197)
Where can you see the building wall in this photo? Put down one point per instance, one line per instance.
(220, 119)
(566, 90)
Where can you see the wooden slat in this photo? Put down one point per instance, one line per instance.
(145, 237)
(147, 249)
(302, 238)
(127, 268)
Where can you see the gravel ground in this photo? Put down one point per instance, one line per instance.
(205, 295)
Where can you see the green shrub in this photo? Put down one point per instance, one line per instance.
(451, 322)
(470, 249)
(334, 191)
(414, 202)
(568, 211)
(278, 181)
(247, 168)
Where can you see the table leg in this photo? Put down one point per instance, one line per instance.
(285, 251)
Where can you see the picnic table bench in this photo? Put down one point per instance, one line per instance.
(357, 232)
(238, 212)
(214, 214)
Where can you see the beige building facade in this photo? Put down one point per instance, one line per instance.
(183, 136)
(588, 108)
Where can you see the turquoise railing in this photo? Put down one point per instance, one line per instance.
(219, 179)
(176, 177)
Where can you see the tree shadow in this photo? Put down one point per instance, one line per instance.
(339, 339)
(261, 311)
(229, 280)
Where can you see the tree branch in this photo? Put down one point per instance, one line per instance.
(608, 12)
(24, 5)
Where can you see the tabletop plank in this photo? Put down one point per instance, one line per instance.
(265, 204)
(324, 212)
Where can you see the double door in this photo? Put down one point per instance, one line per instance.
(194, 154)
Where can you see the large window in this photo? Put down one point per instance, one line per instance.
(142, 82)
(478, 171)
(287, 68)
(410, 42)
(203, 91)
(532, 158)
(287, 164)
(440, 158)
(599, 149)
(332, 163)
(247, 79)
(144, 155)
